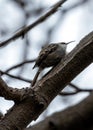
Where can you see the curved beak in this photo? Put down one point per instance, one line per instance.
(69, 42)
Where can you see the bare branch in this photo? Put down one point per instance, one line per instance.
(19, 65)
(24, 30)
(10, 93)
(15, 77)
(77, 90)
(73, 86)
(72, 118)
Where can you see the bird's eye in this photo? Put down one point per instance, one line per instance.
(63, 43)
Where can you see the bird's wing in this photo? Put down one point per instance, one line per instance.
(44, 53)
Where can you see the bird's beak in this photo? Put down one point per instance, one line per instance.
(69, 42)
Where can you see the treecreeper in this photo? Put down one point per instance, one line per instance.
(49, 56)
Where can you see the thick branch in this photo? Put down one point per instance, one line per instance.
(73, 118)
(23, 31)
(49, 86)
(10, 93)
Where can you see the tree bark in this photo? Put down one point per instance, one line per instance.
(44, 91)
(78, 117)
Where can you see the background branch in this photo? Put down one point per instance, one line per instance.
(76, 90)
(16, 77)
(24, 30)
(19, 65)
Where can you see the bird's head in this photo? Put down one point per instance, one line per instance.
(64, 44)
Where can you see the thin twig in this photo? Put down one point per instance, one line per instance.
(24, 30)
(74, 86)
(16, 77)
(19, 65)
(77, 90)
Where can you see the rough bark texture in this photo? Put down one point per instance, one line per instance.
(49, 86)
(78, 117)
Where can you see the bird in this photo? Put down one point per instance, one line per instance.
(49, 56)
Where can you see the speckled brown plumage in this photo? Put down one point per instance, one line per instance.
(50, 55)
(44, 54)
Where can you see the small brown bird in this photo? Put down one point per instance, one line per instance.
(50, 55)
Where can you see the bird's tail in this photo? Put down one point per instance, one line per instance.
(34, 66)
(36, 76)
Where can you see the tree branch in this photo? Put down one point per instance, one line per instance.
(24, 30)
(10, 93)
(49, 86)
(77, 90)
(19, 65)
(72, 118)
(15, 77)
